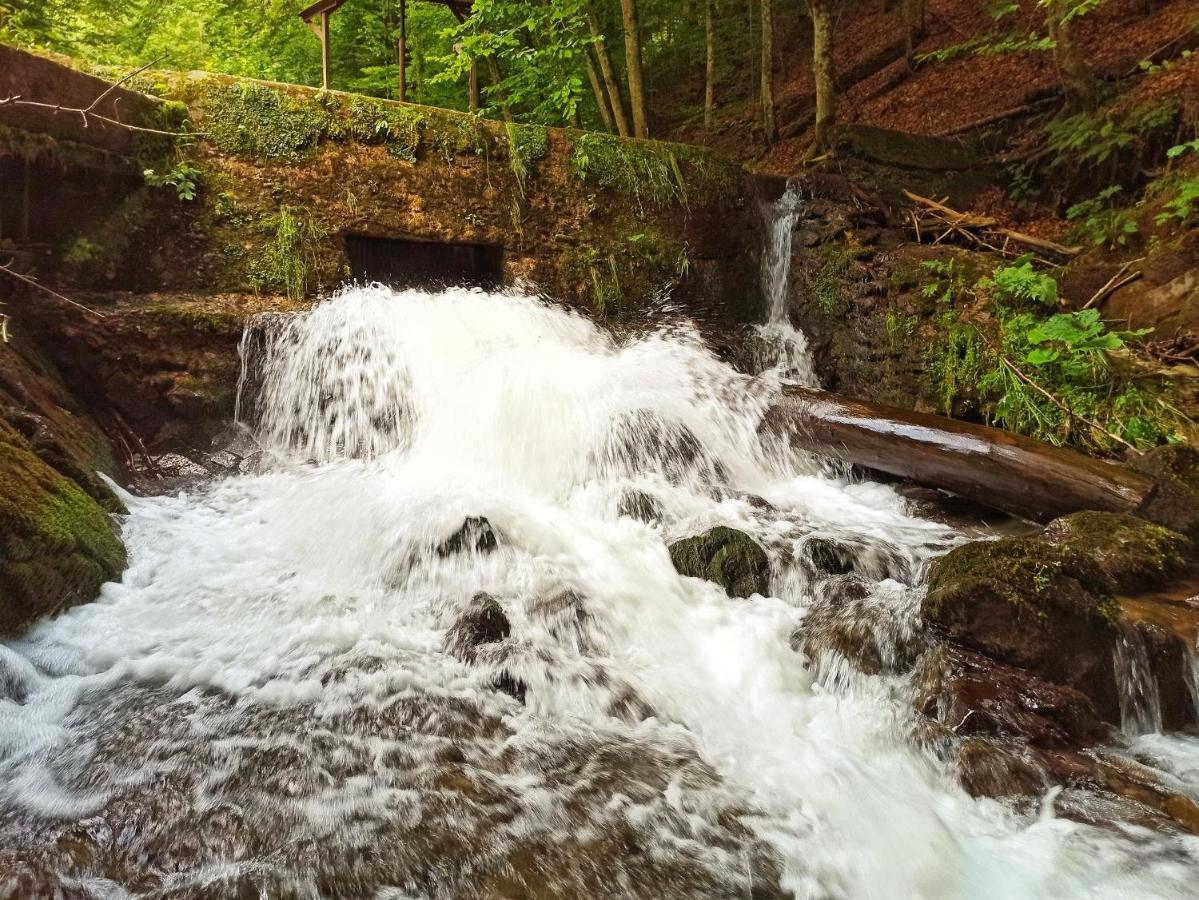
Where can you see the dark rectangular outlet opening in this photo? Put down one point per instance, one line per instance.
(411, 262)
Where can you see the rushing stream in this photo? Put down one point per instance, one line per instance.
(279, 700)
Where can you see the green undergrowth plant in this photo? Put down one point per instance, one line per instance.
(1046, 374)
(1101, 221)
(946, 280)
(289, 259)
(526, 145)
(182, 176)
(653, 173)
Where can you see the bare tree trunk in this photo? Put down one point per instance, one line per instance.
(767, 70)
(755, 22)
(913, 27)
(601, 101)
(609, 73)
(632, 57)
(822, 69)
(988, 465)
(1078, 81)
(710, 67)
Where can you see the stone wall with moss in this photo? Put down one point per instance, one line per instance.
(263, 202)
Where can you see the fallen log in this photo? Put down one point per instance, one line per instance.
(987, 465)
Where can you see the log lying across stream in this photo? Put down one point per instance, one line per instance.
(987, 465)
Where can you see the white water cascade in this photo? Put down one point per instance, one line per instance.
(270, 702)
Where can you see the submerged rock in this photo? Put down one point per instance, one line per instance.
(827, 557)
(475, 535)
(640, 506)
(484, 623)
(972, 694)
(724, 556)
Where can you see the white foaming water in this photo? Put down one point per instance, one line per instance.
(266, 703)
(781, 347)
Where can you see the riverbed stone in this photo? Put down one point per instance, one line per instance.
(724, 556)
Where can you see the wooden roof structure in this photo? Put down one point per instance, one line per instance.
(317, 16)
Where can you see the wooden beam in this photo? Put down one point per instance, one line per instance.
(325, 49)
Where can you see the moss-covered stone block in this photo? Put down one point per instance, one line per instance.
(724, 556)
(57, 544)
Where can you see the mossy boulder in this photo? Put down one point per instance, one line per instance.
(1047, 602)
(1024, 601)
(57, 544)
(1133, 554)
(724, 556)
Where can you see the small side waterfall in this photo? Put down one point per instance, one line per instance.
(780, 217)
(781, 346)
(1140, 703)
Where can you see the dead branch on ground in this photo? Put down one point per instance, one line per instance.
(34, 283)
(939, 223)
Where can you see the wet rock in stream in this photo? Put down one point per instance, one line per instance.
(639, 505)
(724, 556)
(475, 535)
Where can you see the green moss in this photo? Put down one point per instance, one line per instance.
(1132, 553)
(724, 556)
(526, 145)
(625, 270)
(652, 172)
(451, 134)
(57, 545)
(195, 319)
(954, 364)
(97, 251)
(900, 328)
(826, 278)
(398, 127)
(1028, 574)
(255, 120)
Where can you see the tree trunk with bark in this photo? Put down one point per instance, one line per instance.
(632, 56)
(821, 12)
(914, 12)
(766, 93)
(710, 66)
(601, 101)
(615, 98)
(1078, 81)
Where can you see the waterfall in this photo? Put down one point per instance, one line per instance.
(434, 646)
(779, 346)
(1140, 704)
